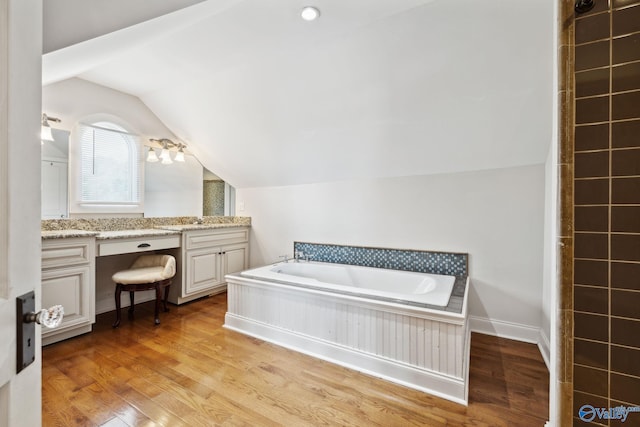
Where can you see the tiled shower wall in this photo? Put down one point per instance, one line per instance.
(213, 198)
(606, 208)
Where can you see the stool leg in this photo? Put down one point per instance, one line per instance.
(117, 296)
(166, 295)
(131, 298)
(158, 298)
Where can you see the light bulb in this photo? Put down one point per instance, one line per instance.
(310, 13)
(180, 155)
(165, 153)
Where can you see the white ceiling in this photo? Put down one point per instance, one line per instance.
(68, 22)
(374, 88)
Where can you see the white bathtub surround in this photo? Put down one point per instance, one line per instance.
(410, 343)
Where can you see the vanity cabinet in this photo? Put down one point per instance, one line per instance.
(207, 256)
(68, 269)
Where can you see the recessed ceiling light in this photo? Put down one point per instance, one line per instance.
(310, 13)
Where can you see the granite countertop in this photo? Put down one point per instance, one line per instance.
(61, 234)
(158, 230)
(187, 227)
(124, 234)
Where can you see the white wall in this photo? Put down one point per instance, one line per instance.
(496, 216)
(74, 100)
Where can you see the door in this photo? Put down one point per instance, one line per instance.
(20, 105)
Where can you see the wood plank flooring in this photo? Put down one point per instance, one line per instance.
(190, 371)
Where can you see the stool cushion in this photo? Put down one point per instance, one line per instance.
(147, 269)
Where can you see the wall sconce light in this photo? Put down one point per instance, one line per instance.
(180, 155)
(165, 154)
(45, 129)
(152, 157)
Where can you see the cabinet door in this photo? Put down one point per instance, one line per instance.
(70, 287)
(54, 190)
(203, 270)
(235, 258)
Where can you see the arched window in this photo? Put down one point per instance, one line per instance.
(110, 168)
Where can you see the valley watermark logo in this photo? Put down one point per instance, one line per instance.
(589, 413)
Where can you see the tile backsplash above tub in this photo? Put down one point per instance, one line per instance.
(449, 263)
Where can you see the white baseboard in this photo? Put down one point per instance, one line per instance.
(545, 348)
(502, 329)
(513, 331)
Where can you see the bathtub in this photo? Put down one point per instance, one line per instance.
(392, 285)
(405, 327)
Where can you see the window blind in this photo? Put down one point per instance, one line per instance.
(110, 170)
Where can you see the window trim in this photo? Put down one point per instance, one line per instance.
(78, 206)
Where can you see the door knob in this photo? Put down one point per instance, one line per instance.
(50, 317)
(26, 316)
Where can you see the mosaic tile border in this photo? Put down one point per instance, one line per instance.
(449, 263)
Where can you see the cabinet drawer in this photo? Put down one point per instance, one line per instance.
(137, 245)
(66, 252)
(206, 239)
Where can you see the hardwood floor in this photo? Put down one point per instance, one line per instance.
(189, 371)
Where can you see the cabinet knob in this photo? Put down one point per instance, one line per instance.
(50, 317)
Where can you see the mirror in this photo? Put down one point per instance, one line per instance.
(179, 189)
(173, 190)
(54, 183)
(213, 195)
(191, 189)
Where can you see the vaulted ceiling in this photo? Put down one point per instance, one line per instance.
(373, 88)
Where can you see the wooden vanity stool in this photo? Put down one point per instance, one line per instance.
(146, 273)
